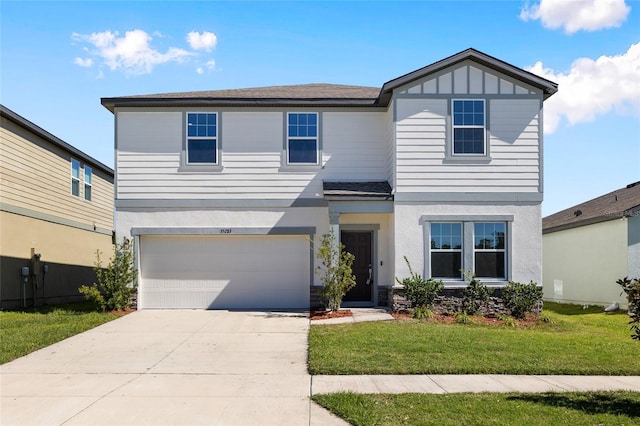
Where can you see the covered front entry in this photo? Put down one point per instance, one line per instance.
(360, 244)
(360, 213)
(224, 272)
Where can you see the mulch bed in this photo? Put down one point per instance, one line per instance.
(445, 318)
(320, 314)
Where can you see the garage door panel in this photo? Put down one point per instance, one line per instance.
(224, 272)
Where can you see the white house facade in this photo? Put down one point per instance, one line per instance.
(224, 191)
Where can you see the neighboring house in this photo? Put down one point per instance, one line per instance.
(57, 202)
(589, 246)
(223, 190)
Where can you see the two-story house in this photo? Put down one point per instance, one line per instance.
(224, 191)
(56, 211)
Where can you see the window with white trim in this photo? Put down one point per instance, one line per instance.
(75, 178)
(468, 129)
(446, 250)
(489, 252)
(202, 138)
(88, 178)
(302, 138)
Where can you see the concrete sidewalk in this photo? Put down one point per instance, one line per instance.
(440, 384)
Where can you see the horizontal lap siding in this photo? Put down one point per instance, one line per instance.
(36, 175)
(252, 149)
(421, 131)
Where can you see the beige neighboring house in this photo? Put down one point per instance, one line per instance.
(587, 247)
(56, 202)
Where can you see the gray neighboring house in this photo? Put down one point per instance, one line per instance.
(587, 247)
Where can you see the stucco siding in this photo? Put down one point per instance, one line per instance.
(354, 147)
(35, 175)
(633, 241)
(524, 246)
(581, 265)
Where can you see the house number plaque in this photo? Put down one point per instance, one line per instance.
(225, 230)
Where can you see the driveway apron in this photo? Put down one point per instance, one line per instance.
(179, 367)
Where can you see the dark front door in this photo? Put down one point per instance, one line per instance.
(358, 243)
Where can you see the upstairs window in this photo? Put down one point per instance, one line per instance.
(75, 178)
(469, 127)
(88, 173)
(202, 138)
(302, 138)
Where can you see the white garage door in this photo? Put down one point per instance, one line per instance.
(224, 272)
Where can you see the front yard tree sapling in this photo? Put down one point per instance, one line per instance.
(335, 270)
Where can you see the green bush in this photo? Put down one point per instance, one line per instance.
(462, 318)
(335, 271)
(475, 295)
(521, 298)
(116, 282)
(420, 293)
(632, 289)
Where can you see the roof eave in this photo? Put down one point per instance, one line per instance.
(34, 128)
(112, 103)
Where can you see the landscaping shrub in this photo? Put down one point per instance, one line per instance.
(462, 318)
(418, 291)
(632, 289)
(475, 295)
(116, 282)
(335, 271)
(521, 298)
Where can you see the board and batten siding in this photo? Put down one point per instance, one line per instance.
(149, 148)
(36, 176)
(423, 133)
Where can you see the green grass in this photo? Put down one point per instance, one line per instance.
(27, 330)
(571, 408)
(576, 341)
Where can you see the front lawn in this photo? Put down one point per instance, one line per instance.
(27, 330)
(576, 341)
(570, 408)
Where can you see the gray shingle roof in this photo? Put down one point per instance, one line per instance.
(320, 94)
(300, 94)
(620, 203)
(351, 190)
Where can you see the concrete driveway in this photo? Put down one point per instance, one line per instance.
(182, 367)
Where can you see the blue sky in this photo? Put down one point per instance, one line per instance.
(59, 58)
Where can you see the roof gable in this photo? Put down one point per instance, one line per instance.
(548, 87)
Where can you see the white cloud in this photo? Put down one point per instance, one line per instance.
(593, 88)
(131, 53)
(576, 15)
(83, 62)
(202, 41)
(208, 66)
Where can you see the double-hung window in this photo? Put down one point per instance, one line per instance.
(88, 177)
(202, 138)
(469, 127)
(302, 138)
(75, 178)
(446, 250)
(489, 249)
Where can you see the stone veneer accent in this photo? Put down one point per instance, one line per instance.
(450, 301)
